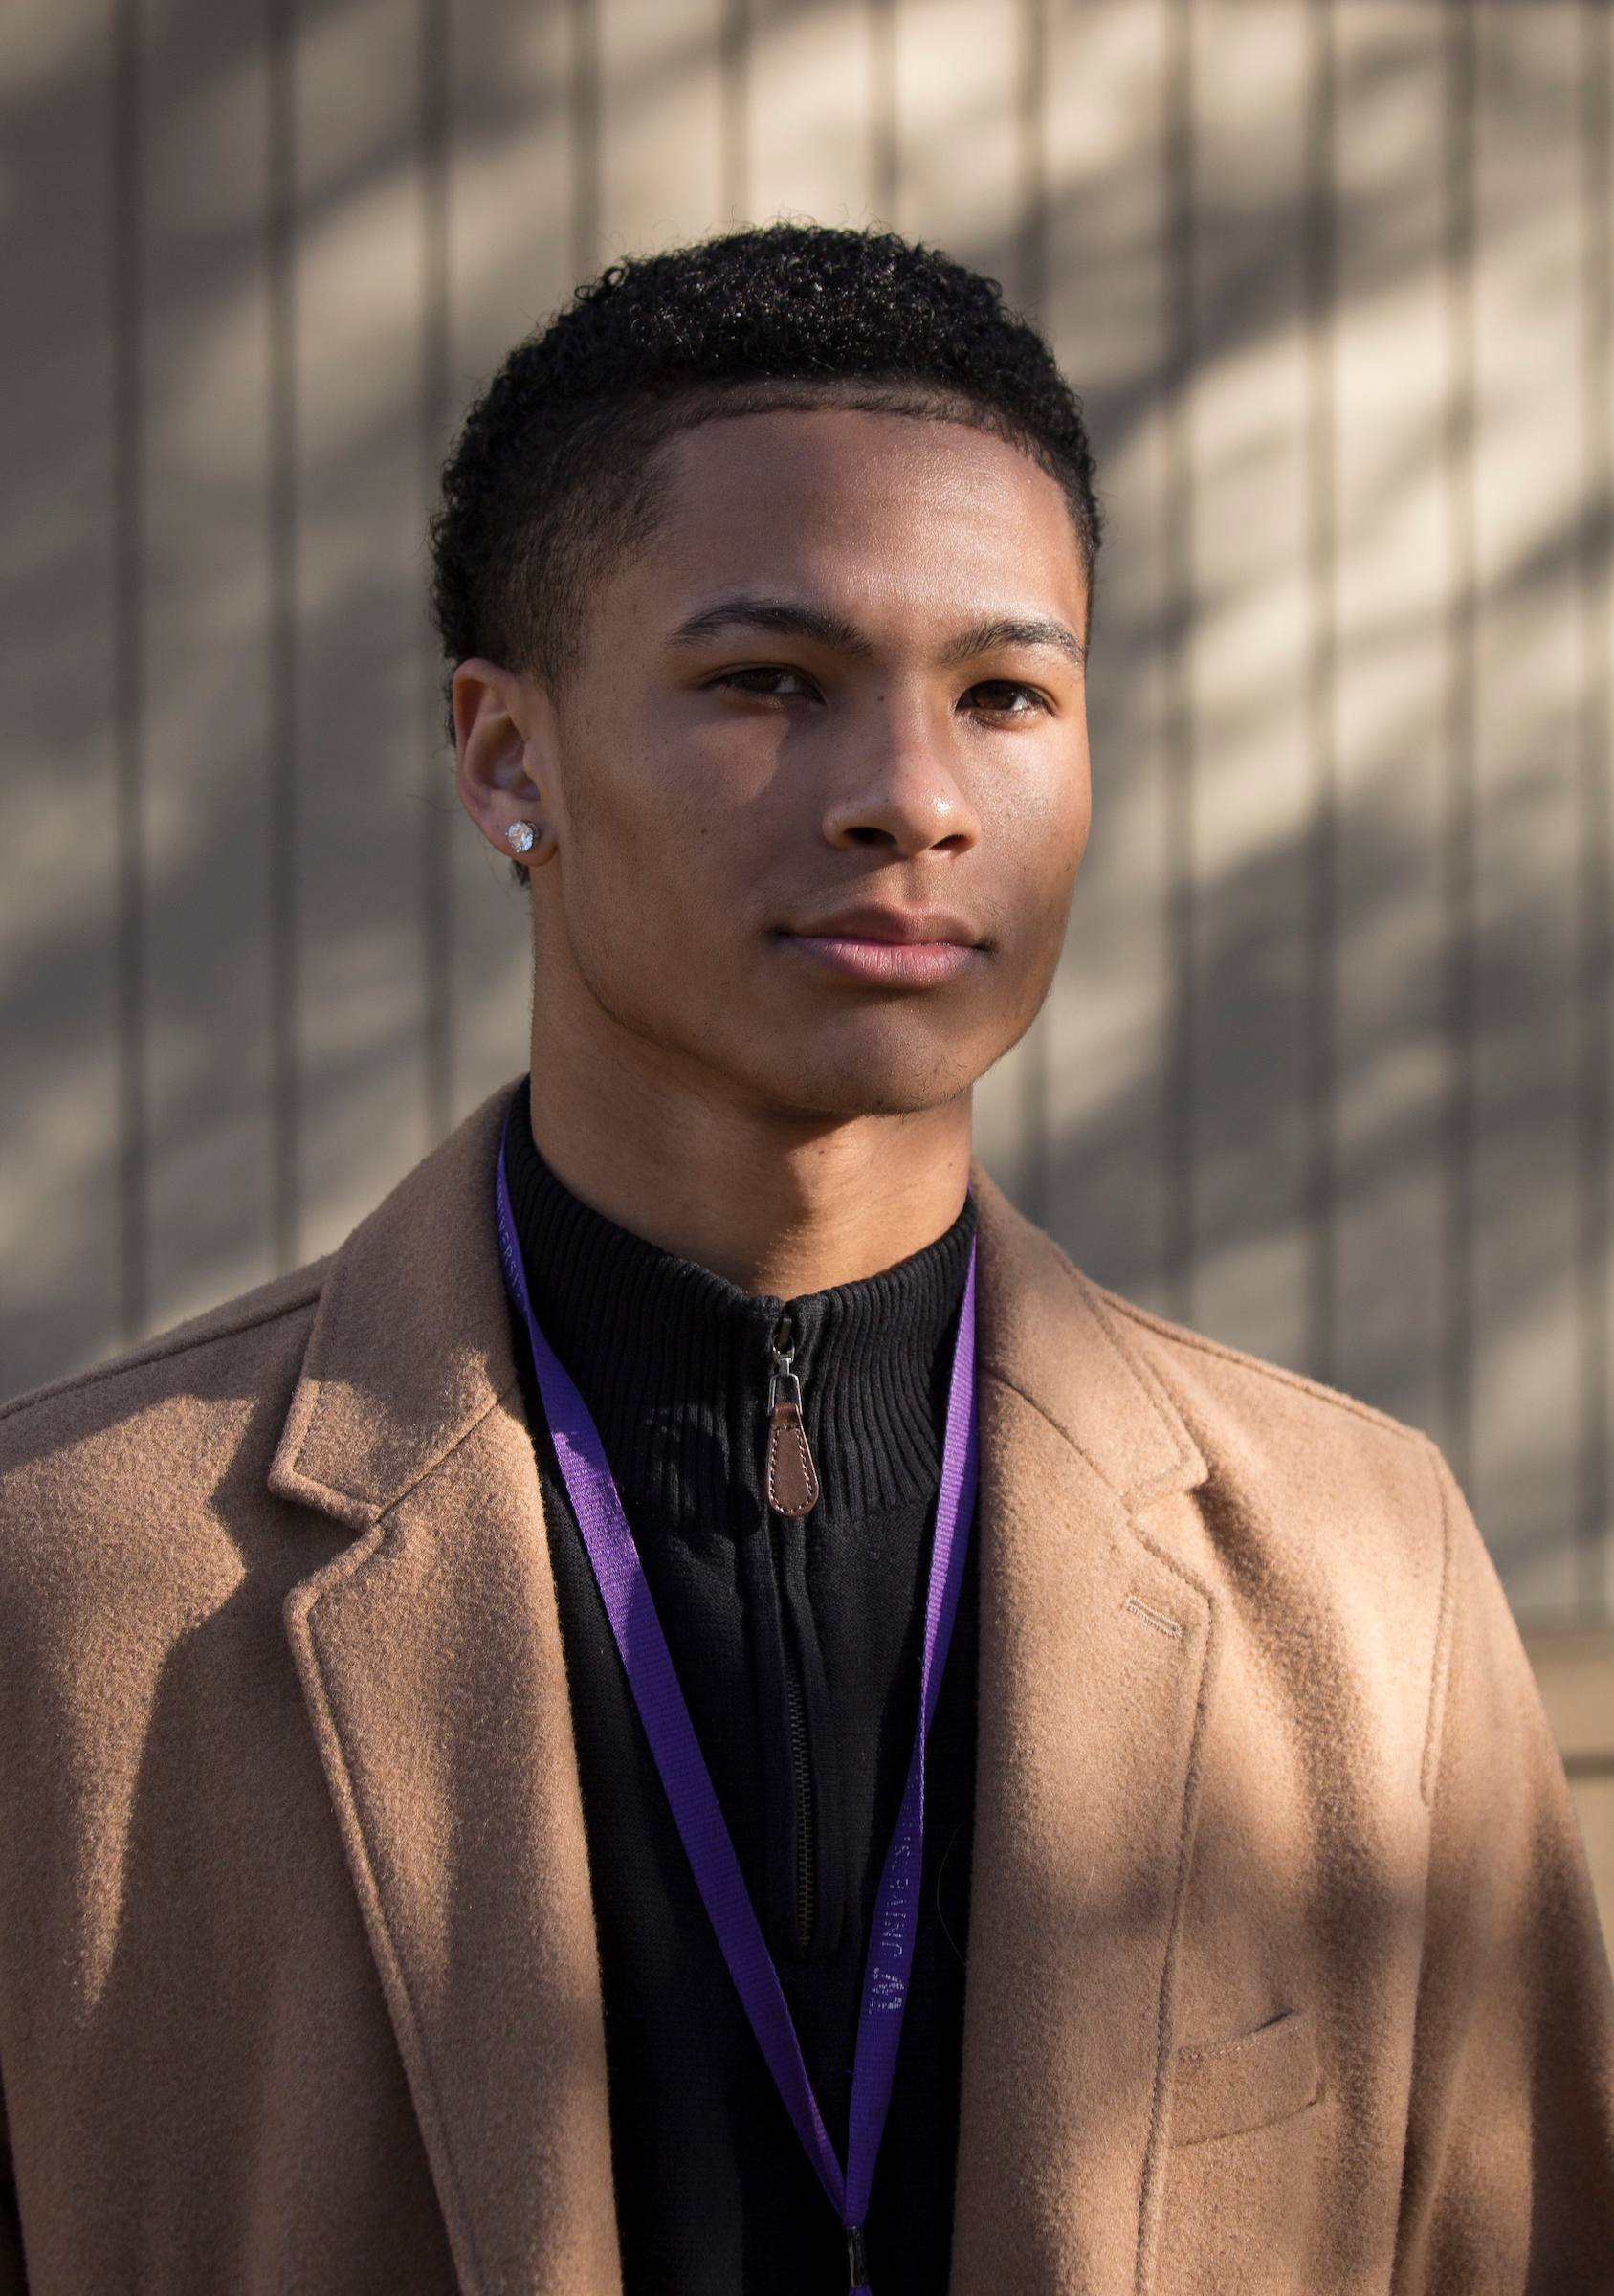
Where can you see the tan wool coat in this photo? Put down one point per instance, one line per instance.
(1284, 1972)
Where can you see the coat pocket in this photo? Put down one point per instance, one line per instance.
(1228, 2088)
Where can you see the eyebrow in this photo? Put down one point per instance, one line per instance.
(1016, 631)
(781, 617)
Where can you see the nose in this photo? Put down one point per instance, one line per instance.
(907, 799)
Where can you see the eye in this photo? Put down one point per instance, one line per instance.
(1004, 698)
(772, 680)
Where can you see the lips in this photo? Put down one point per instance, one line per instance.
(888, 948)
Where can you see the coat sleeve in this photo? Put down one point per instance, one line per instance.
(1509, 2175)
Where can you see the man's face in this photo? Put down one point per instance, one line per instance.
(818, 787)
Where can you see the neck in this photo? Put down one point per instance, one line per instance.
(773, 1200)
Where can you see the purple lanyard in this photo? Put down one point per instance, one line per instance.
(648, 1665)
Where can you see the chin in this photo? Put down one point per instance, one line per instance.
(846, 1085)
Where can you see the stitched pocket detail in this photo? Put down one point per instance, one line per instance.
(1228, 2087)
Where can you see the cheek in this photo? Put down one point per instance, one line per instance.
(1046, 838)
(651, 865)
(685, 807)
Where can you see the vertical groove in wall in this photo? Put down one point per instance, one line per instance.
(284, 1083)
(585, 137)
(1461, 797)
(1595, 1145)
(1321, 920)
(1032, 134)
(1177, 1114)
(128, 699)
(436, 795)
(883, 185)
(1031, 139)
(734, 43)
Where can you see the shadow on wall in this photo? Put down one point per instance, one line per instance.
(1326, 1070)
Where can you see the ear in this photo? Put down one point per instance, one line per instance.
(504, 750)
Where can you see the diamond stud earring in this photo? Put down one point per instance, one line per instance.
(520, 836)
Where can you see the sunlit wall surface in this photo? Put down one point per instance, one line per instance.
(1326, 1071)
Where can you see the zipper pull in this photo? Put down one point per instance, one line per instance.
(857, 2260)
(792, 1479)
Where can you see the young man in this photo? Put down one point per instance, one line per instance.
(468, 1817)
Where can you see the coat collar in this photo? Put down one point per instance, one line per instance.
(410, 1346)
(429, 1653)
(1051, 1337)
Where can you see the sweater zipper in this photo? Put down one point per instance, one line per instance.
(805, 1863)
(792, 1488)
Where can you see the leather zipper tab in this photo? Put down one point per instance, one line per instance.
(792, 1478)
(857, 2260)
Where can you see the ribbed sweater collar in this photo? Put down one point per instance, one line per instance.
(674, 1362)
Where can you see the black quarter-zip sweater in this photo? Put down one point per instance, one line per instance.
(797, 1648)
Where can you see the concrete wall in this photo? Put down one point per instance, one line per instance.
(1327, 1067)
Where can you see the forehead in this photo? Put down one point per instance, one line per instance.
(867, 507)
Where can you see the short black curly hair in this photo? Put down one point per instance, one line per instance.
(552, 478)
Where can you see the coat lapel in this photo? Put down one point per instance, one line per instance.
(1094, 1650)
(430, 1659)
